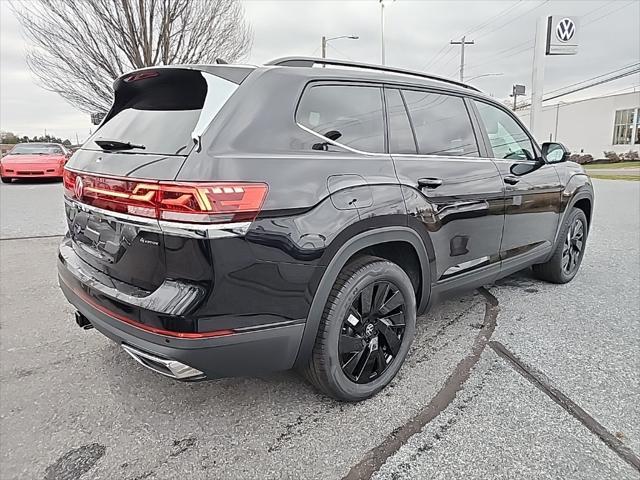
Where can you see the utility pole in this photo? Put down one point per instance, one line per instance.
(382, 32)
(382, 59)
(462, 43)
(324, 47)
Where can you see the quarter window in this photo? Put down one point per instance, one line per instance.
(626, 127)
(400, 134)
(348, 114)
(508, 140)
(441, 124)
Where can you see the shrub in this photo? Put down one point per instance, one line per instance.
(581, 158)
(629, 156)
(611, 156)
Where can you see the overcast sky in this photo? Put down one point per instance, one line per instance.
(417, 33)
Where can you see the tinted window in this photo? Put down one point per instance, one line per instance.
(508, 140)
(348, 114)
(441, 123)
(164, 111)
(400, 134)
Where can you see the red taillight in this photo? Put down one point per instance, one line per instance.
(191, 202)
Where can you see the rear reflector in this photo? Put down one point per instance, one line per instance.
(189, 202)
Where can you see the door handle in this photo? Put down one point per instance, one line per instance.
(429, 182)
(511, 180)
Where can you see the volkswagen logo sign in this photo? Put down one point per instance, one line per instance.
(78, 188)
(565, 29)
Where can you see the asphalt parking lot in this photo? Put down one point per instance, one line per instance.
(519, 380)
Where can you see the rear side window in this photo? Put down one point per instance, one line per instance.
(508, 139)
(400, 134)
(348, 114)
(163, 110)
(441, 123)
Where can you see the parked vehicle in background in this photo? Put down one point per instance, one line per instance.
(34, 160)
(229, 220)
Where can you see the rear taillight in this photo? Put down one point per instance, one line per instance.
(189, 202)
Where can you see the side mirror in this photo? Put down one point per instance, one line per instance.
(555, 152)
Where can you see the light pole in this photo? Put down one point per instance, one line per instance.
(382, 31)
(326, 40)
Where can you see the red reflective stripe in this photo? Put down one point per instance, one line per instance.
(147, 328)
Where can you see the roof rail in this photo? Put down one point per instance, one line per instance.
(311, 61)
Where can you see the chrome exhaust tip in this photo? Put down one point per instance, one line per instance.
(163, 366)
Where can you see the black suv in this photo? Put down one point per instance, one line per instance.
(231, 220)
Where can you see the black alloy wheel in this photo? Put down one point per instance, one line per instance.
(565, 261)
(372, 332)
(366, 330)
(573, 246)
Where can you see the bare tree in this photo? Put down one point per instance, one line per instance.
(80, 46)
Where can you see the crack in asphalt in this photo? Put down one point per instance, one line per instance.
(377, 456)
(32, 237)
(540, 380)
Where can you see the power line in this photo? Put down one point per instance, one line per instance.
(511, 20)
(479, 27)
(592, 84)
(596, 77)
(529, 43)
(600, 82)
(502, 13)
(608, 13)
(433, 59)
(340, 52)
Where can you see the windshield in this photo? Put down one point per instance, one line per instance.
(161, 112)
(36, 149)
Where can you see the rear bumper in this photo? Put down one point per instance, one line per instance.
(246, 353)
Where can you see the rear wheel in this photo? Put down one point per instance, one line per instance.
(567, 257)
(365, 332)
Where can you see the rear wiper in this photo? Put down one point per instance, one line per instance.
(117, 145)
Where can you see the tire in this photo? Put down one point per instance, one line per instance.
(555, 269)
(345, 376)
(6, 179)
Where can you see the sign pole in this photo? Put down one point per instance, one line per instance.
(537, 77)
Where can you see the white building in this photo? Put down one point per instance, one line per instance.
(594, 125)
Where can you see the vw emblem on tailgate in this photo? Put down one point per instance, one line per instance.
(565, 29)
(78, 188)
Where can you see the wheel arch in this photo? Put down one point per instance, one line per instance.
(582, 198)
(377, 242)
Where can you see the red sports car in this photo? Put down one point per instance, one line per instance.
(34, 160)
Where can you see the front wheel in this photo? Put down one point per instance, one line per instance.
(365, 331)
(567, 257)
(6, 179)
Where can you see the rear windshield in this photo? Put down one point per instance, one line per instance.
(163, 111)
(36, 149)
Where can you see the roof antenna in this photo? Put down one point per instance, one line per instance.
(221, 61)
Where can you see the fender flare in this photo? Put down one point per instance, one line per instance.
(340, 259)
(581, 193)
